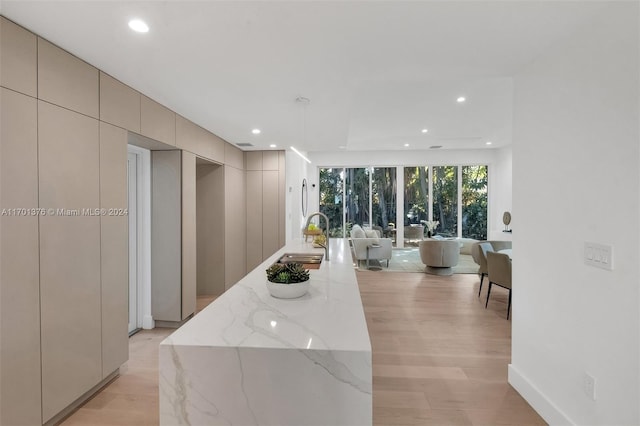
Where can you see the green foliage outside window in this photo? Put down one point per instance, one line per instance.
(352, 185)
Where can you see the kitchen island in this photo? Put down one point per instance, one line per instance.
(251, 359)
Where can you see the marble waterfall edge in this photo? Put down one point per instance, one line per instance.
(251, 359)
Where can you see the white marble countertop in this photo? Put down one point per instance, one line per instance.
(329, 317)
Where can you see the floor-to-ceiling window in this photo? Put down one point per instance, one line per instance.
(416, 195)
(474, 202)
(445, 200)
(383, 196)
(455, 196)
(356, 183)
(332, 198)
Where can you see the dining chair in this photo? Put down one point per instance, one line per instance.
(483, 249)
(499, 266)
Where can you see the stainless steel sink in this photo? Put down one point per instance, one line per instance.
(308, 260)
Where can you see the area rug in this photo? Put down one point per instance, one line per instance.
(408, 260)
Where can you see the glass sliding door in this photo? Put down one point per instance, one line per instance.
(416, 195)
(356, 184)
(445, 200)
(474, 202)
(331, 199)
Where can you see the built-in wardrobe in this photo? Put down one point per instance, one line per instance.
(64, 131)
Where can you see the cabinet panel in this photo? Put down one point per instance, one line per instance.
(269, 160)
(211, 229)
(253, 160)
(68, 146)
(235, 223)
(67, 81)
(157, 122)
(119, 104)
(195, 139)
(233, 156)
(114, 248)
(189, 243)
(254, 219)
(270, 222)
(18, 58)
(71, 322)
(166, 243)
(19, 269)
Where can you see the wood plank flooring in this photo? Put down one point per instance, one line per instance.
(439, 358)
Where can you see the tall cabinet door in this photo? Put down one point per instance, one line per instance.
(189, 244)
(166, 235)
(19, 269)
(114, 277)
(68, 145)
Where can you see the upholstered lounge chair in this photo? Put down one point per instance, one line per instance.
(379, 248)
(439, 256)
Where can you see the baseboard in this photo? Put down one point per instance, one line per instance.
(543, 406)
(172, 324)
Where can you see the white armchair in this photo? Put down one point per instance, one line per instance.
(379, 248)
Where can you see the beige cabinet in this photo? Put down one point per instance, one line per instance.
(67, 81)
(254, 218)
(211, 228)
(18, 58)
(235, 225)
(195, 139)
(265, 201)
(114, 260)
(19, 270)
(119, 104)
(189, 243)
(157, 122)
(173, 242)
(68, 145)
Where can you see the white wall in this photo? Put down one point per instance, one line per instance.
(296, 170)
(500, 194)
(575, 179)
(498, 160)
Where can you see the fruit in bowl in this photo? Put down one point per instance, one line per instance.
(320, 241)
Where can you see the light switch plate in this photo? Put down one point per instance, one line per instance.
(598, 255)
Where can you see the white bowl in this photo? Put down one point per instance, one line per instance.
(288, 291)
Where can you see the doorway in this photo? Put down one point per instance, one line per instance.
(139, 204)
(133, 188)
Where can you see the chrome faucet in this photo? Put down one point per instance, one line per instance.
(326, 243)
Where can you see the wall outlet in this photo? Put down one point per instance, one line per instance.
(598, 255)
(589, 385)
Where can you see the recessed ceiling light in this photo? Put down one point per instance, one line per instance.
(139, 26)
(488, 142)
(406, 144)
(342, 147)
(425, 130)
(273, 145)
(461, 99)
(256, 131)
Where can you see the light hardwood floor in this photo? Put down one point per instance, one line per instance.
(439, 358)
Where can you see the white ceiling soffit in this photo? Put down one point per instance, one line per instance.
(376, 72)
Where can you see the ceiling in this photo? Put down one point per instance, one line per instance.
(376, 72)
